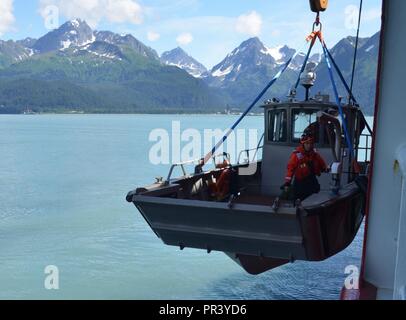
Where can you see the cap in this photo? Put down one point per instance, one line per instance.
(306, 138)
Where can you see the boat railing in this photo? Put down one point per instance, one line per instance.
(182, 165)
(247, 160)
(247, 152)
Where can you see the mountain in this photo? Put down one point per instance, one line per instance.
(249, 67)
(77, 68)
(250, 57)
(72, 33)
(365, 73)
(12, 52)
(27, 42)
(179, 58)
(126, 41)
(77, 33)
(96, 71)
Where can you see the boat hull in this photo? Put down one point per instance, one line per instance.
(258, 237)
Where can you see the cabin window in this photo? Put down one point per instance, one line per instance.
(277, 131)
(305, 120)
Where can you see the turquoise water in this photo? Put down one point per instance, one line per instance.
(63, 182)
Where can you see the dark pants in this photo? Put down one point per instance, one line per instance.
(304, 188)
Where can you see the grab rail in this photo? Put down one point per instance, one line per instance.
(182, 164)
(259, 147)
(247, 152)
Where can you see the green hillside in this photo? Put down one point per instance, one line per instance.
(61, 81)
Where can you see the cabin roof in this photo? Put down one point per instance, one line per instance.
(299, 104)
(305, 104)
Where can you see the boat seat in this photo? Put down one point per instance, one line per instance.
(196, 187)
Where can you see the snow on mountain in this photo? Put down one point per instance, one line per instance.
(253, 57)
(274, 52)
(101, 49)
(281, 54)
(370, 46)
(76, 37)
(245, 58)
(222, 73)
(126, 41)
(179, 58)
(12, 52)
(72, 33)
(248, 58)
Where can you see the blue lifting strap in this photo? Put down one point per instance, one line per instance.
(340, 108)
(252, 105)
(341, 76)
(350, 93)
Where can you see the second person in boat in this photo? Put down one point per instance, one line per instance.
(304, 166)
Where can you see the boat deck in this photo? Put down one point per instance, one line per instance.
(256, 199)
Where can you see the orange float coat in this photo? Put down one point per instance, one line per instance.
(302, 164)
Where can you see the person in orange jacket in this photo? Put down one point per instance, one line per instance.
(305, 165)
(226, 184)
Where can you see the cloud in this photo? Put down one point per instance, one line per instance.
(153, 36)
(6, 15)
(120, 11)
(250, 24)
(93, 11)
(352, 13)
(184, 39)
(372, 14)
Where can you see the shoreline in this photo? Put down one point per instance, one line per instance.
(128, 114)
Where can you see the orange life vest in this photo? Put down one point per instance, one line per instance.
(223, 183)
(302, 164)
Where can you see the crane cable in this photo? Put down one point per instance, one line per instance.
(312, 39)
(252, 105)
(338, 100)
(351, 98)
(346, 86)
(319, 35)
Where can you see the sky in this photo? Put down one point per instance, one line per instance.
(206, 29)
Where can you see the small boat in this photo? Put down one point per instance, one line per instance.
(254, 226)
